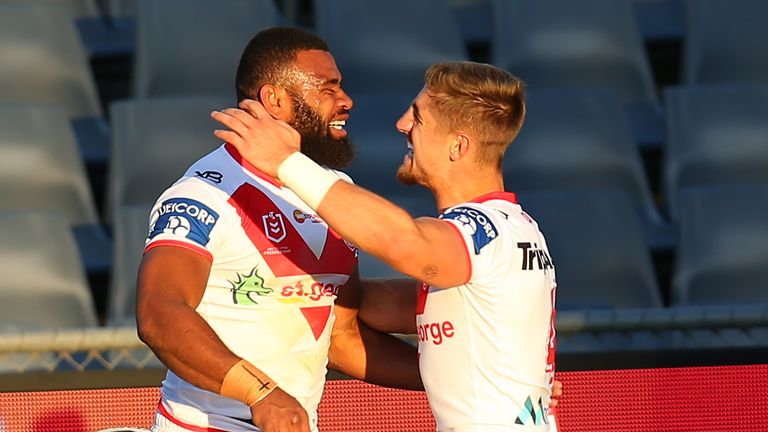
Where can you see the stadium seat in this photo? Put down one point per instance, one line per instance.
(77, 8)
(130, 229)
(379, 146)
(193, 47)
(587, 43)
(725, 41)
(580, 139)
(722, 254)
(154, 142)
(120, 8)
(717, 135)
(41, 168)
(474, 19)
(596, 242)
(44, 61)
(385, 46)
(43, 284)
(660, 20)
(40, 165)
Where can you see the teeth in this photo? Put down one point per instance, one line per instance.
(337, 124)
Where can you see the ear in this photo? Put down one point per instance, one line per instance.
(276, 101)
(460, 147)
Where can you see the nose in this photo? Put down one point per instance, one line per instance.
(405, 122)
(344, 101)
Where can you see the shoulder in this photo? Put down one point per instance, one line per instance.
(476, 222)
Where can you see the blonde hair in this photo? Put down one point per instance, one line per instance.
(481, 99)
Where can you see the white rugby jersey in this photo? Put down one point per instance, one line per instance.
(487, 347)
(276, 269)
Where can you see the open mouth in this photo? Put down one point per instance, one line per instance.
(336, 128)
(409, 148)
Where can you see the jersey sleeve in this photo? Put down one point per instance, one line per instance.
(190, 215)
(480, 234)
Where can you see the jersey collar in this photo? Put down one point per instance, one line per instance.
(247, 165)
(504, 196)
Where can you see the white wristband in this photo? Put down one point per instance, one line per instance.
(306, 178)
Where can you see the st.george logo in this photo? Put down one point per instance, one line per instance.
(274, 227)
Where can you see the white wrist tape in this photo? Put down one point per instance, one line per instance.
(306, 178)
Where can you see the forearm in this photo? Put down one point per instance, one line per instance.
(375, 357)
(373, 223)
(426, 248)
(187, 345)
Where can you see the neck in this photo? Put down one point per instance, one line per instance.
(451, 192)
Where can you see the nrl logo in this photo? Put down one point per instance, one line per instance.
(274, 228)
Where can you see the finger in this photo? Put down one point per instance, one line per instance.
(255, 108)
(557, 389)
(230, 120)
(228, 136)
(243, 116)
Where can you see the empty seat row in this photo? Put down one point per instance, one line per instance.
(192, 48)
(572, 139)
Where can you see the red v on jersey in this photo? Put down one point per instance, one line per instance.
(285, 251)
(421, 300)
(317, 318)
(283, 248)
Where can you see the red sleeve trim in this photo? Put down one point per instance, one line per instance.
(184, 245)
(164, 412)
(466, 251)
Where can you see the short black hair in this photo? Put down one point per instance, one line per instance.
(268, 56)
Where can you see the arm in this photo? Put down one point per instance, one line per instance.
(389, 305)
(171, 284)
(426, 249)
(361, 352)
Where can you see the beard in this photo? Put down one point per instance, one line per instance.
(316, 141)
(405, 174)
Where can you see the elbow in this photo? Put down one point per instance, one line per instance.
(147, 326)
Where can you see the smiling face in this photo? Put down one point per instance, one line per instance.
(428, 140)
(320, 108)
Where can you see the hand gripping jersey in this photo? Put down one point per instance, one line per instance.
(486, 348)
(275, 272)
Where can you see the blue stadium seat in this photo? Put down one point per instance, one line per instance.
(379, 147)
(722, 253)
(586, 43)
(193, 47)
(660, 20)
(41, 168)
(385, 46)
(717, 135)
(725, 41)
(44, 61)
(596, 242)
(154, 142)
(580, 139)
(43, 284)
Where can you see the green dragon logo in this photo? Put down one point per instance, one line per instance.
(248, 287)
